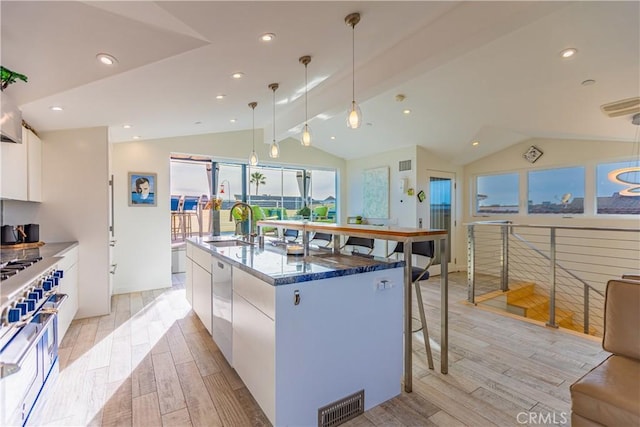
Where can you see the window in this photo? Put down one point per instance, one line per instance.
(497, 194)
(556, 191)
(189, 178)
(614, 195)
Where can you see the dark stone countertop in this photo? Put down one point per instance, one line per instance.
(272, 265)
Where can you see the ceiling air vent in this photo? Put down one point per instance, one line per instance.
(404, 165)
(622, 108)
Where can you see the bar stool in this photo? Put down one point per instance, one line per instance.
(189, 209)
(418, 274)
(176, 215)
(361, 242)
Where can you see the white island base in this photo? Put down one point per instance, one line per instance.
(345, 335)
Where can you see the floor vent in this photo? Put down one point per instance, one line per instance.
(341, 410)
(404, 165)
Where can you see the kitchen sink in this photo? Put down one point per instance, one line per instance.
(227, 243)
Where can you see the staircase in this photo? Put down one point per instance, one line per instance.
(522, 300)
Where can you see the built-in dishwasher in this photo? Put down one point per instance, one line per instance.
(222, 307)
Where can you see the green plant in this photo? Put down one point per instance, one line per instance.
(305, 212)
(9, 77)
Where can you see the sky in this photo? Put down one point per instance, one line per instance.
(551, 185)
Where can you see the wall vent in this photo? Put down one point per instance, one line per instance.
(341, 410)
(622, 108)
(404, 165)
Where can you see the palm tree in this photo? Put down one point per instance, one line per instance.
(258, 179)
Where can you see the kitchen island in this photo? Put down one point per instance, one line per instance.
(406, 235)
(304, 331)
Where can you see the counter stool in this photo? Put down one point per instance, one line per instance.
(425, 249)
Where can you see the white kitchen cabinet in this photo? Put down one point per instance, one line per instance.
(68, 286)
(222, 307)
(188, 284)
(22, 169)
(201, 286)
(34, 166)
(14, 169)
(343, 335)
(254, 338)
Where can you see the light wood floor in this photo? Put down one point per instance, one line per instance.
(152, 363)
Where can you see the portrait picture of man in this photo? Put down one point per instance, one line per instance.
(142, 189)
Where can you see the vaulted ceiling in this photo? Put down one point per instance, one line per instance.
(485, 71)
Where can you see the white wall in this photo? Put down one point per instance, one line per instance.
(74, 207)
(402, 207)
(143, 251)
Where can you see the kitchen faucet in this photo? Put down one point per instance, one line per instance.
(248, 207)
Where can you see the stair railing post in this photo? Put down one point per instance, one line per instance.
(471, 264)
(586, 308)
(504, 259)
(552, 278)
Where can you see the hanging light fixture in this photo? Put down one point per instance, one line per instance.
(306, 132)
(274, 148)
(354, 119)
(253, 158)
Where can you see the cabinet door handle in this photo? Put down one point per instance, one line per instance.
(296, 297)
(221, 265)
(113, 268)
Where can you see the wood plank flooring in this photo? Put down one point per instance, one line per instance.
(152, 363)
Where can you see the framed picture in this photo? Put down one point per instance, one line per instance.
(142, 189)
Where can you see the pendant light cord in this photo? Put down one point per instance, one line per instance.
(274, 115)
(253, 129)
(353, 63)
(306, 94)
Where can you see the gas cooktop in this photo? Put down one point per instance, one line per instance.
(11, 268)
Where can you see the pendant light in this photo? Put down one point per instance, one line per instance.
(274, 148)
(253, 158)
(354, 118)
(306, 132)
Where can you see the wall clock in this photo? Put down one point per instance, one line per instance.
(532, 154)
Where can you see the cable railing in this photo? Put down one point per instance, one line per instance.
(553, 274)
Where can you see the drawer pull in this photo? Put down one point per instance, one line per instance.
(296, 297)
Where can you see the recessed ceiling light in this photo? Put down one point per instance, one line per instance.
(126, 126)
(333, 137)
(407, 111)
(237, 75)
(136, 137)
(267, 37)
(56, 108)
(106, 59)
(568, 53)
(588, 82)
(221, 96)
(233, 120)
(475, 143)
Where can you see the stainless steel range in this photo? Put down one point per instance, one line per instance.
(29, 302)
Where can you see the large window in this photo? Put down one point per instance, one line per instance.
(556, 191)
(497, 194)
(618, 188)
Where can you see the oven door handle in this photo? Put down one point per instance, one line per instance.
(53, 306)
(15, 362)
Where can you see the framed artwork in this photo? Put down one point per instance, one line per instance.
(376, 192)
(142, 189)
